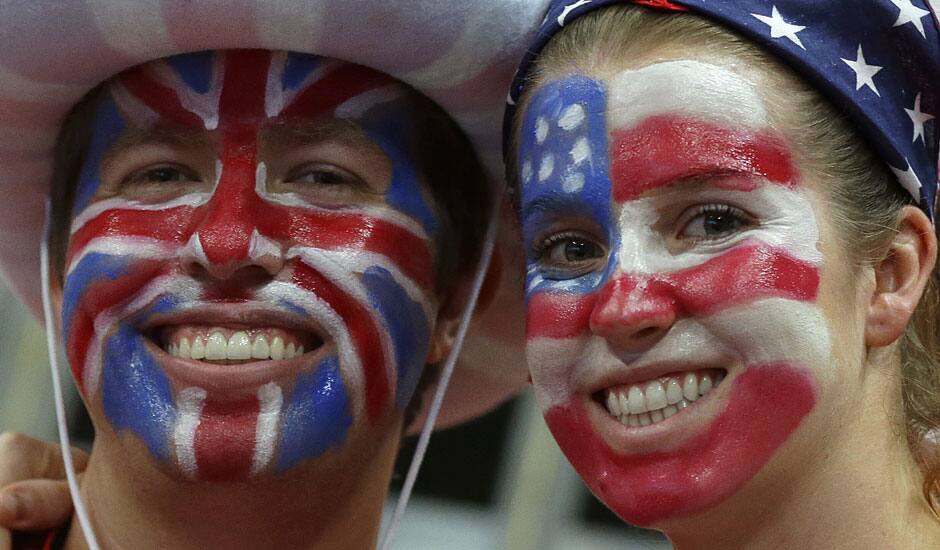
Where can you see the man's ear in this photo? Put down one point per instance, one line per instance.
(900, 278)
(452, 307)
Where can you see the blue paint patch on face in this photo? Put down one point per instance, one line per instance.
(407, 326)
(93, 268)
(195, 69)
(564, 173)
(136, 394)
(316, 417)
(106, 127)
(390, 128)
(298, 67)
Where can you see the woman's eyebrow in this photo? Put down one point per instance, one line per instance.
(346, 132)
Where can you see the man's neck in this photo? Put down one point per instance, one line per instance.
(333, 502)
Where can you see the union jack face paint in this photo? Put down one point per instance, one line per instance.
(673, 332)
(251, 262)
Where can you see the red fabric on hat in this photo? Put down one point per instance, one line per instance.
(663, 4)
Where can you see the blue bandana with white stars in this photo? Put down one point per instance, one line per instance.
(879, 60)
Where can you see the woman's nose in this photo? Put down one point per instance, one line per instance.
(633, 312)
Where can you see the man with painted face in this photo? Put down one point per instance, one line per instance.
(255, 253)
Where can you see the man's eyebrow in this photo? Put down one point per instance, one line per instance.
(156, 135)
(326, 130)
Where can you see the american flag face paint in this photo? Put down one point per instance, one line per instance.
(668, 237)
(232, 197)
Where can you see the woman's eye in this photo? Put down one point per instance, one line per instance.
(715, 221)
(569, 255)
(573, 251)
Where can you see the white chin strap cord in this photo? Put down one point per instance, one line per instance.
(52, 345)
(486, 254)
(424, 439)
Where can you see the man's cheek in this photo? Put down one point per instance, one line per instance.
(94, 285)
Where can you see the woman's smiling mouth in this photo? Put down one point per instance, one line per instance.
(646, 403)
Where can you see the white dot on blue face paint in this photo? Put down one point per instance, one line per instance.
(526, 172)
(571, 117)
(572, 183)
(546, 167)
(581, 151)
(541, 130)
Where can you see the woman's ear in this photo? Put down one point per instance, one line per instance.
(900, 278)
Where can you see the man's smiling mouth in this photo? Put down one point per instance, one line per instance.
(227, 345)
(646, 403)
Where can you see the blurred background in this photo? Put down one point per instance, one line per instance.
(497, 483)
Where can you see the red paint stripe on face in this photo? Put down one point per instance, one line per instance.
(748, 272)
(323, 230)
(559, 314)
(161, 99)
(766, 404)
(665, 149)
(362, 328)
(225, 439)
(341, 84)
(105, 295)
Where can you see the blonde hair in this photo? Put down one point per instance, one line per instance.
(865, 197)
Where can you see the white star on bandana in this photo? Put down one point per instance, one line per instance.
(780, 28)
(864, 73)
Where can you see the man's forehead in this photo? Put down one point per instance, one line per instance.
(208, 89)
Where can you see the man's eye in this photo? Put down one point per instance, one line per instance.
(163, 174)
(715, 221)
(323, 175)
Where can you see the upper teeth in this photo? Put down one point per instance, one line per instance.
(239, 346)
(654, 401)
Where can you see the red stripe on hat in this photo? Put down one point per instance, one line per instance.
(749, 272)
(663, 150)
(225, 439)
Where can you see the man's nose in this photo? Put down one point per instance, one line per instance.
(227, 238)
(633, 312)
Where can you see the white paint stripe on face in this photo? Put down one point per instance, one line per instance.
(693, 88)
(135, 110)
(260, 247)
(336, 269)
(205, 106)
(271, 400)
(189, 408)
(126, 247)
(178, 286)
(358, 261)
(295, 200)
(762, 331)
(193, 200)
(323, 314)
(355, 107)
(275, 96)
(785, 220)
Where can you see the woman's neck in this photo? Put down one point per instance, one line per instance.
(332, 502)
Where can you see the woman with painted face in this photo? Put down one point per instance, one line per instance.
(731, 288)
(255, 255)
